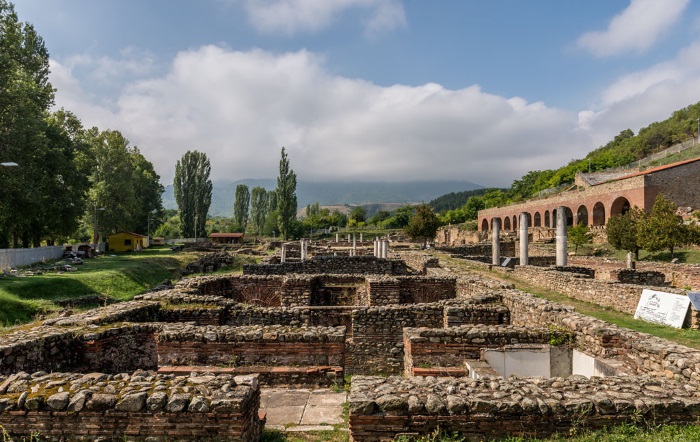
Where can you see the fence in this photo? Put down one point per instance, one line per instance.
(10, 258)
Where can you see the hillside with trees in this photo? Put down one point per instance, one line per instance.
(622, 150)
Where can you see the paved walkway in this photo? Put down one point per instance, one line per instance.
(302, 409)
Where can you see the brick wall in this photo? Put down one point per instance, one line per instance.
(451, 347)
(251, 346)
(74, 407)
(332, 264)
(641, 353)
(497, 408)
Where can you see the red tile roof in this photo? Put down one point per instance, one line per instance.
(225, 235)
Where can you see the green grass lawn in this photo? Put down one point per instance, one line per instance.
(120, 277)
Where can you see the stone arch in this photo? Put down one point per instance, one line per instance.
(538, 220)
(529, 219)
(485, 225)
(547, 221)
(515, 222)
(506, 223)
(620, 206)
(569, 217)
(582, 215)
(598, 214)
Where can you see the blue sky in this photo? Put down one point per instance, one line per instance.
(366, 90)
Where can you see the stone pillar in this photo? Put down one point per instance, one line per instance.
(561, 236)
(348, 237)
(360, 238)
(385, 249)
(376, 247)
(630, 261)
(496, 242)
(524, 240)
(336, 236)
(302, 250)
(354, 242)
(284, 254)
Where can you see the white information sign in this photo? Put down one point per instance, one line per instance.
(662, 308)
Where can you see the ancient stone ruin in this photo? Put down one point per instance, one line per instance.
(425, 349)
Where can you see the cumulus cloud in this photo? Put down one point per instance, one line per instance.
(635, 29)
(291, 16)
(242, 107)
(639, 98)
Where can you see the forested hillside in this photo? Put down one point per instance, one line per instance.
(625, 148)
(454, 200)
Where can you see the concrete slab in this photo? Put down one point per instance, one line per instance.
(283, 398)
(327, 397)
(285, 415)
(322, 415)
(307, 428)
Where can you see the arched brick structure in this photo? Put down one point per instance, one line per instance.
(582, 215)
(604, 194)
(538, 220)
(506, 223)
(598, 214)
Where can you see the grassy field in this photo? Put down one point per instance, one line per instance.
(121, 277)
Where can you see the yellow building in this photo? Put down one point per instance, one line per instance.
(126, 242)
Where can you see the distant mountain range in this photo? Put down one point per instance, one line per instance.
(332, 193)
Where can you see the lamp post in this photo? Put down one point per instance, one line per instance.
(94, 228)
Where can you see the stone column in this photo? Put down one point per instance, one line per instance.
(524, 240)
(630, 261)
(354, 243)
(284, 254)
(385, 249)
(376, 247)
(348, 237)
(336, 236)
(360, 237)
(561, 236)
(495, 242)
(301, 249)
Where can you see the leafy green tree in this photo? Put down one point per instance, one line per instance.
(271, 200)
(241, 205)
(258, 208)
(381, 215)
(423, 224)
(286, 196)
(357, 215)
(663, 228)
(623, 231)
(25, 98)
(193, 191)
(579, 235)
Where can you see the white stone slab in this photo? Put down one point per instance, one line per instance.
(662, 308)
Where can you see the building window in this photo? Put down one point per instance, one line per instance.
(127, 242)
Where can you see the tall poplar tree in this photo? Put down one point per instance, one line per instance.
(241, 204)
(286, 196)
(258, 208)
(193, 192)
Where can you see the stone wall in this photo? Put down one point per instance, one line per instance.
(684, 276)
(621, 297)
(642, 354)
(96, 406)
(332, 264)
(419, 262)
(450, 347)
(251, 346)
(494, 408)
(482, 249)
(630, 276)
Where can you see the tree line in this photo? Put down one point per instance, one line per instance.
(68, 178)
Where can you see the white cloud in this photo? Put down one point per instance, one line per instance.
(242, 107)
(291, 16)
(635, 29)
(637, 99)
